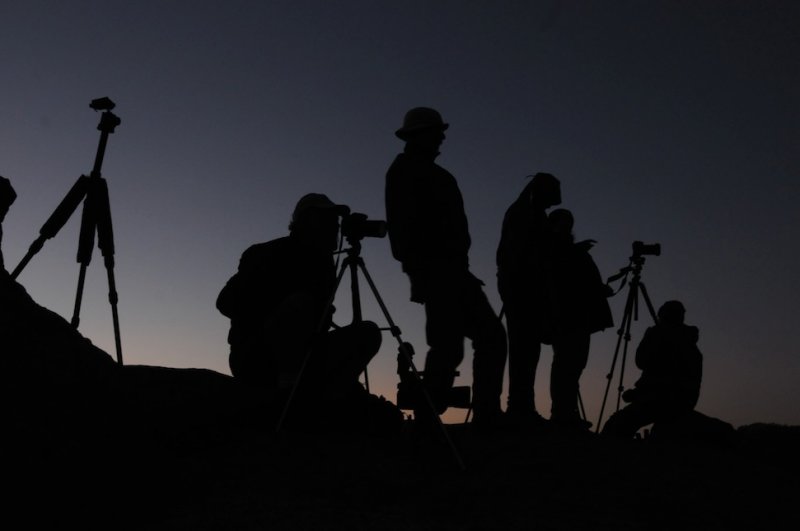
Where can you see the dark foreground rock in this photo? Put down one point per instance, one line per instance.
(92, 445)
(260, 480)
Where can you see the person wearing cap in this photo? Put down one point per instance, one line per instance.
(279, 306)
(525, 286)
(429, 236)
(672, 370)
(7, 198)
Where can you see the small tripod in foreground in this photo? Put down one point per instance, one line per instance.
(96, 218)
(635, 286)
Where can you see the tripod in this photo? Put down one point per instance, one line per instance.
(631, 314)
(96, 218)
(354, 263)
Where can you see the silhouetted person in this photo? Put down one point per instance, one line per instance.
(525, 286)
(7, 197)
(580, 309)
(672, 369)
(429, 235)
(278, 306)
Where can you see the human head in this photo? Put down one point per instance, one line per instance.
(315, 221)
(420, 119)
(561, 221)
(543, 191)
(671, 313)
(424, 127)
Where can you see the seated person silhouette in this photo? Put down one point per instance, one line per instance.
(281, 317)
(669, 386)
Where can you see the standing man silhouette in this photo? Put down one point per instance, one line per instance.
(429, 235)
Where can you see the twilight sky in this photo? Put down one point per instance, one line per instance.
(668, 122)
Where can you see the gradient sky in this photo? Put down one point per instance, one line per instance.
(668, 122)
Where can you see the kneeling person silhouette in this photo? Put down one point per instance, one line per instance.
(672, 369)
(278, 304)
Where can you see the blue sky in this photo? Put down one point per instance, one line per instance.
(666, 122)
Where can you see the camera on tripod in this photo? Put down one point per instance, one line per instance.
(643, 249)
(356, 226)
(409, 391)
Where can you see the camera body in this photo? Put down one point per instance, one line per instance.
(643, 249)
(356, 226)
(102, 104)
(409, 388)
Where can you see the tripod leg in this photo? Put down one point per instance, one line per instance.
(113, 299)
(621, 387)
(56, 220)
(85, 246)
(626, 316)
(320, 326)
(650, 306)
(105, 241)
(355, 295)
(407, 356)
(75, 321)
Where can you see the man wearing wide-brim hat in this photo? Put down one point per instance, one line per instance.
(429, 235)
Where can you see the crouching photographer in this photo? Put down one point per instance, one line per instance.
(672, 370)
(282, 337)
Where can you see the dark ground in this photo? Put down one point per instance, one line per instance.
(511, 482)
(209, 478)
(88, 444)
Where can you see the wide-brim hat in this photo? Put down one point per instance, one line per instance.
(419, 119)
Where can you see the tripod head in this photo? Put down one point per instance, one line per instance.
(102, 104)
(108, 120)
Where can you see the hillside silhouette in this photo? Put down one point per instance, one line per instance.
(94, 444)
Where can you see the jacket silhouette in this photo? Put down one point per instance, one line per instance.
(280, 306)
(428, 229)
(672, 371)
(525, 284)
(580, 308)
